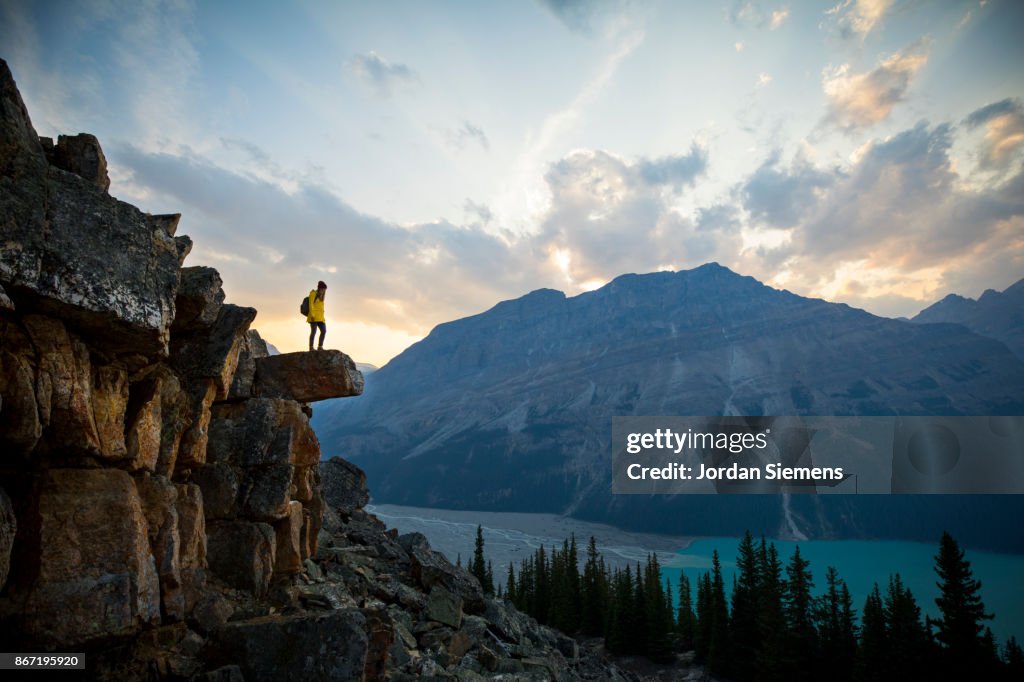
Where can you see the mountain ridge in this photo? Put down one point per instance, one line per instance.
(510, 409)
(998, 315)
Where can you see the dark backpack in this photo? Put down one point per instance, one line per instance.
(304, 308)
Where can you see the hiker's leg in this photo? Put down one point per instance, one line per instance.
(323, 333)
(312, 333)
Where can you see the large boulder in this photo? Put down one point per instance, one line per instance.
(262, 432)
(70, 250)
(430, 569)
(322, 647)
(242, 553)
(259, 455)
(253, 347)
(212, 352)
(200, 297)
(344, 485)
(307, 377)
(90, 559)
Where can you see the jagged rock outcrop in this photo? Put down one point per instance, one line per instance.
(344, 485)
(73, 252)
(161, 505)
(107, 403)
(79, 154)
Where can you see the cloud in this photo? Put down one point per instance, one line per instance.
(582, 15)
(676, 170)
(778, 18)
(900, 222)
(764, 79)
(1003, 122)
(608, 216)
(269, 242)
(858, 100)
(467, 133)
(382, 76)
(781, 197)
(858, 19)
(748, 13)
(146, 44)
(480, 211)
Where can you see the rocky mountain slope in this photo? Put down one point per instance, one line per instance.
(161, 503)
(511, 409)
(999, 315)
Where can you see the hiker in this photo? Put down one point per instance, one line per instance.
(315, 316)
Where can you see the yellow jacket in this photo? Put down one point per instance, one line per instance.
(316, 308)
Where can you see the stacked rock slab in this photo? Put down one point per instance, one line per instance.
(261, 480)
(120, 416)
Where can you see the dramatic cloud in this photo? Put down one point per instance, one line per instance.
(858, 100)
(381, 75)
(1004, 132)
(405, 278)
(900, 216)
(608, 216)
(467, 133)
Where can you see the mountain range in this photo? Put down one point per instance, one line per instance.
(510, 410)
(994, 314)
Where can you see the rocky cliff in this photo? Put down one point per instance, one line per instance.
(161, 503)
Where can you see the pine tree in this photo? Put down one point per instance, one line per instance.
(704, 617)
(718, 649)
(658, 626)
(801, 637)
(835, 625)
(685, 619)
(771, 618)
(959, 626)
(594, 592)
(873, 655)
(488, 583)
(478, 566)
(1013, 657)
(510, 585)
(906, 636)
(744, 625)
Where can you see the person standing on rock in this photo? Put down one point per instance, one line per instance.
(315, 317)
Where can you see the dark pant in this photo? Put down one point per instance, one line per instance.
(312, 332)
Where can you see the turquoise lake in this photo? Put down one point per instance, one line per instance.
(862, 563)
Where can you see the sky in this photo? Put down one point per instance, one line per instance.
(429, 159)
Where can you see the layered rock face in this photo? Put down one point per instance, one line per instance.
(136, 472)
(161, 502)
